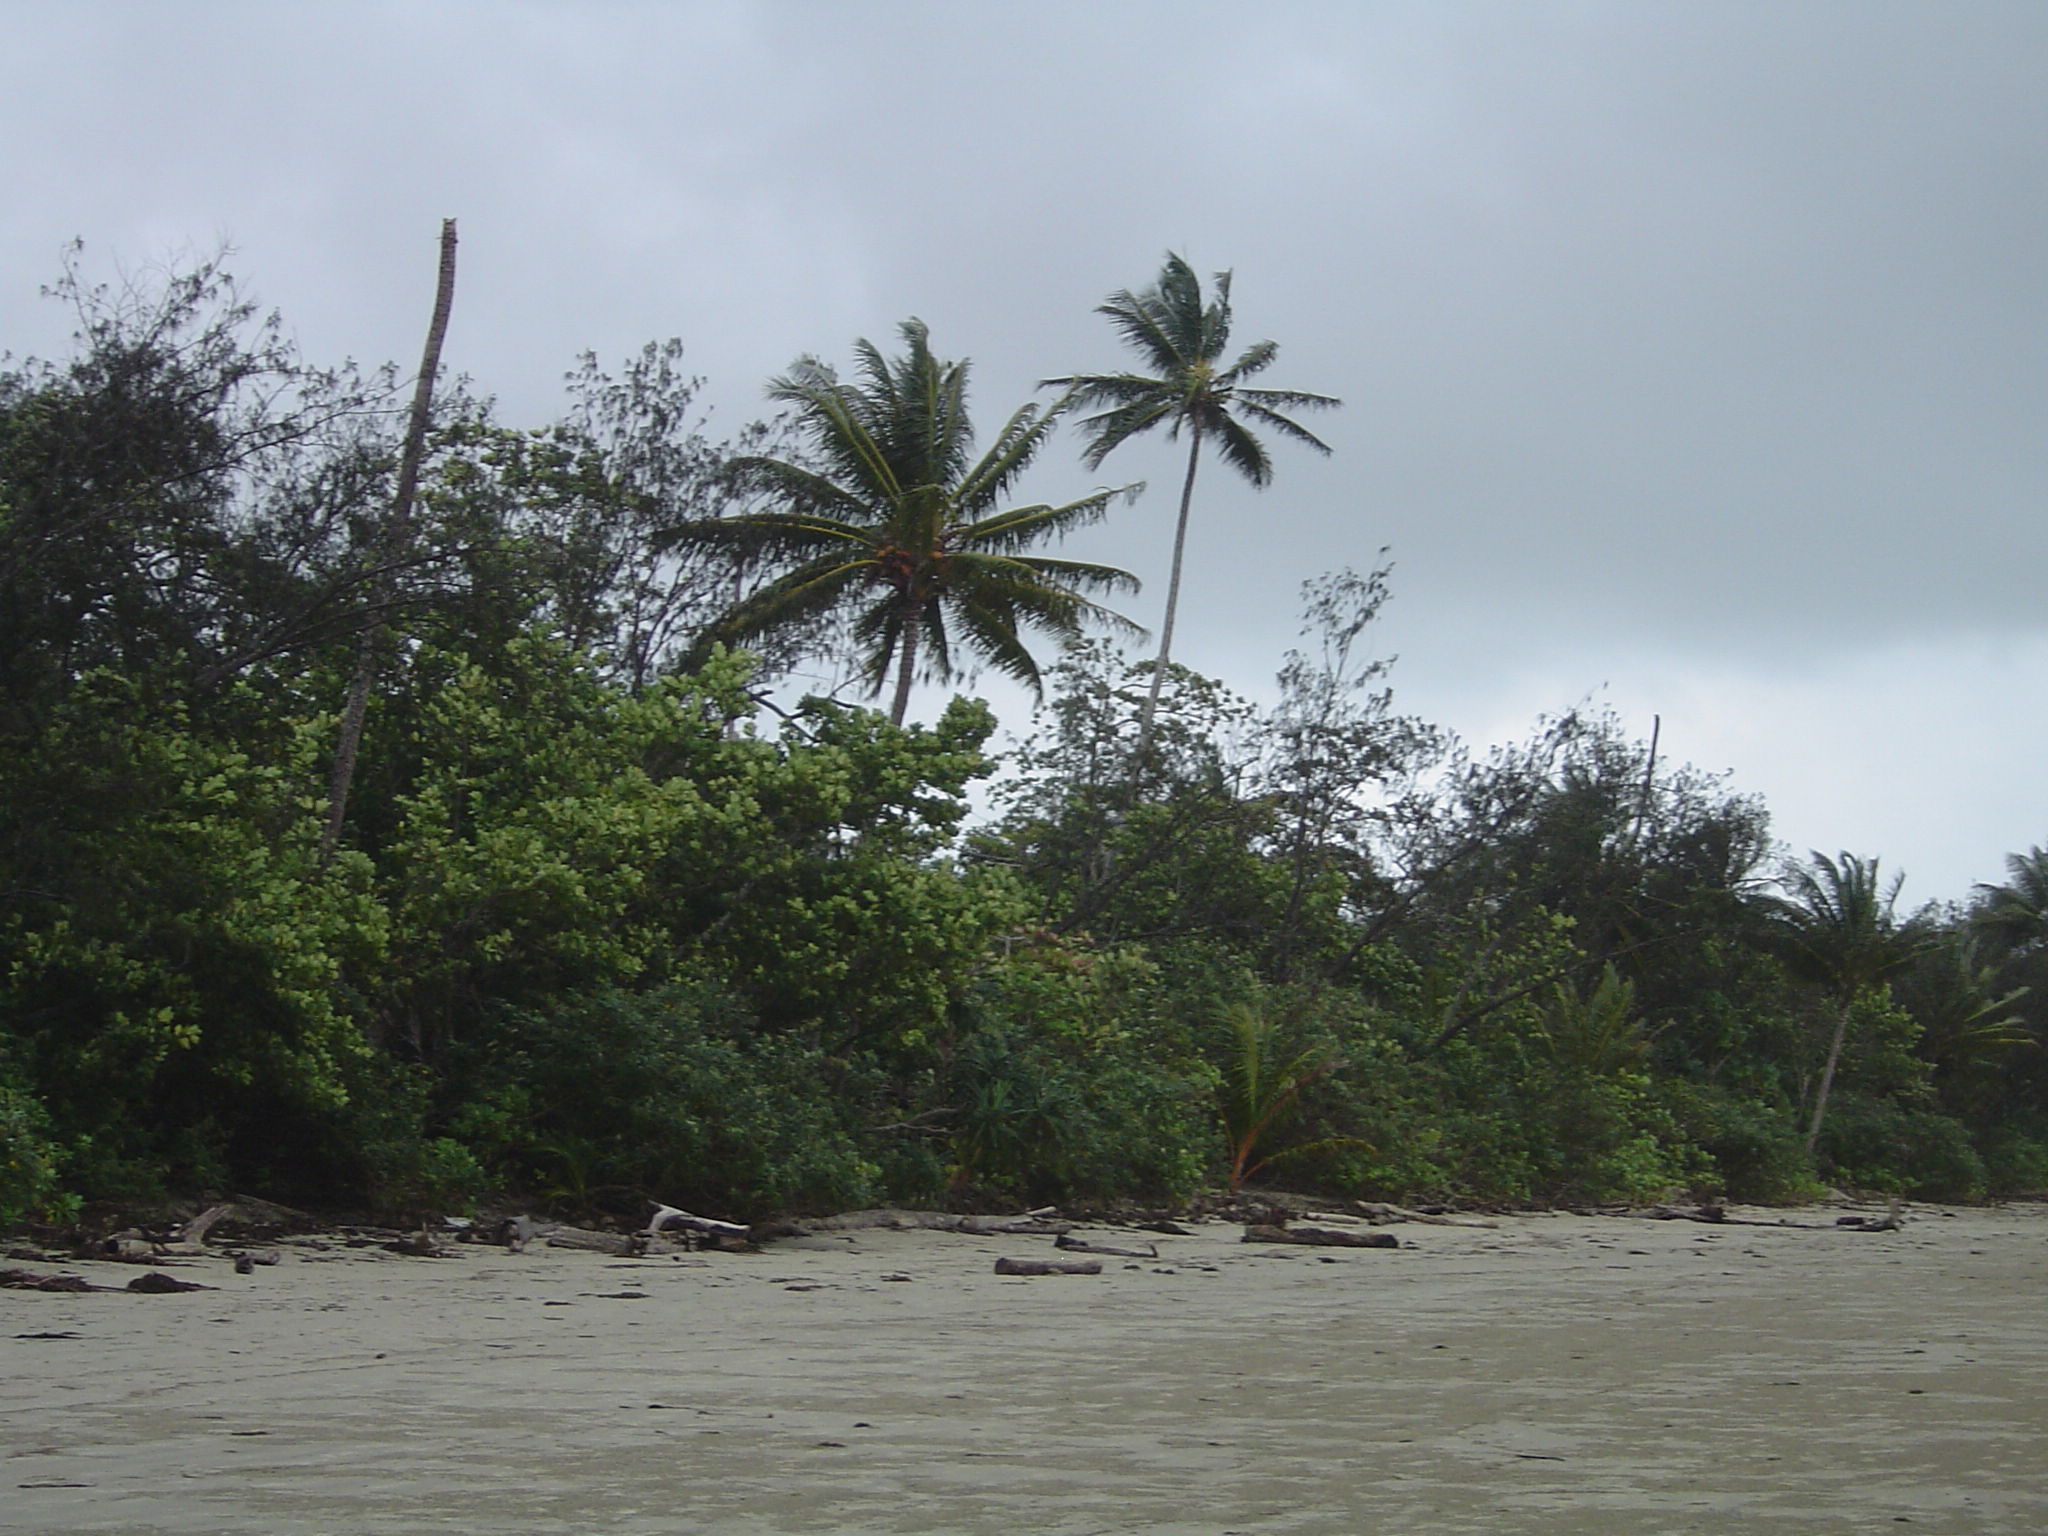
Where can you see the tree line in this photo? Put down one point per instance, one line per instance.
(609, 913)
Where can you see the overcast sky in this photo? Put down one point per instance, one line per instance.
(1693, 355)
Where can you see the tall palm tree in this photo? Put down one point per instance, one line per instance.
(1181, 340)
(1835, 928)
(899, 525)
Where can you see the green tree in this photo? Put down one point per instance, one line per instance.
(1835, 929)
(1182, 341)
(901, 524)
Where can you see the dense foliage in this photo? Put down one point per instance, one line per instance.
(614, 917)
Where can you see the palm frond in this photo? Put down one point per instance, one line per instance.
(1240, 450)
(1147, 326)
(1256, 358)
(1018, 527)
(1285, 426)
(1019, 442)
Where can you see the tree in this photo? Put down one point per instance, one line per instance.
(2016, 913)
(901, 526)
(1835, 928)
(1182, 341)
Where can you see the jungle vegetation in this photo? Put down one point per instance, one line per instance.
(613, 915)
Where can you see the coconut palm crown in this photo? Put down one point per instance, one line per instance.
(1182, 341)
(897, 523)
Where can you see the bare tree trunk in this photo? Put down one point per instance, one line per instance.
(1827, 1074)
(1180, 541)
(396, 535)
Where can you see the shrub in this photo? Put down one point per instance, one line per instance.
(1876, 1144)
(1756, 1150)
(619, 1097)
(31, 1162)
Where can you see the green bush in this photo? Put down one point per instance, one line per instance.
(615, 1098)
(1756, 1150)
(2015, 1164)
(31, 1162)
(1876, 1144)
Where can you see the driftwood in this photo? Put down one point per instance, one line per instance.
(1048, 1266)
(191, 1238)
(514, 1232)
(619, 1246)
(1319, 1237)
(699, 1230)
(1076, 1245)
(1713, 1212)
(1031, 1223)
(1380, 1211)
(29, 1280)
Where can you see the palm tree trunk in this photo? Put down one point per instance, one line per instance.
(907, 672)
(1180, 542)
(1827, 1074)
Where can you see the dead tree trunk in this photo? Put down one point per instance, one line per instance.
(397, 534)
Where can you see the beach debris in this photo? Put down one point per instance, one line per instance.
(157, 1283)
(1030, 1224)
(1070, 1244)
(191, 1238)
(513, 1232)
(1318, 1237)
(1048, 1266)
(129, 1247)
(699, 1231)
(29, 1280)
(245, 1264)
(1890, 1221)
(618, 1245)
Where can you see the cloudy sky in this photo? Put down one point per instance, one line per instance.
(1693, 355)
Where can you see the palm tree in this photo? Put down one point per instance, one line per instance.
(1182, 341)
(1835, 928)
(2016, 913)
(899, 525)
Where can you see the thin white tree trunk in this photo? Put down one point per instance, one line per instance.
(397, 535)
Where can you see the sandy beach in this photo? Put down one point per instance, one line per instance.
(1570, 1376)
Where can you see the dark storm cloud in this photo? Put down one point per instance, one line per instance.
(1696, 349)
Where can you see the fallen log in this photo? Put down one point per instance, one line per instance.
(1078, 1245)
(1048, 1266)
(1319, 1237)
(1031, 1223)
(667, 1218)
(1380, 1211)
(1713, 1212)
(29, 1280)
(191, 1238)
(1013, 1226)
(618, 1245)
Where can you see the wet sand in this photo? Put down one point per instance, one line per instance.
(1555, 1375)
